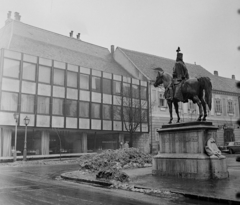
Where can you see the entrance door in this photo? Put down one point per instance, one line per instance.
(228, 135)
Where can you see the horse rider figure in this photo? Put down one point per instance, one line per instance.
(180, 75)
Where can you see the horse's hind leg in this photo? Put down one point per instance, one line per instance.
(169, 102)
(176, 109)
(196, 99)
(204, 109)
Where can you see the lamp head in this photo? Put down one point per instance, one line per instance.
(26, 120)
(16, 116)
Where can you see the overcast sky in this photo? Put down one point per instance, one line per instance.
(208, 31)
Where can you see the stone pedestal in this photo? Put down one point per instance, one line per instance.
(182, 152)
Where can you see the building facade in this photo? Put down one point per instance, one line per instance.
(73, 93)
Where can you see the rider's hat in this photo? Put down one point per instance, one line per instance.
(179, 55)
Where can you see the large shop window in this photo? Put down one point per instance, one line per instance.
(71, 79)
(44, 74)
(84, 109)
(144, 117)
(117, 112)
(58, 77)
(84, 82)
(135, 91)
(144, 93)
(71, 108)
(9, 101)
(29, 71)
(57, 106)
(107, 112)
(117, 89)
(96, 84)
(27, 103)
(43, 105)
(126, 90)
(95, 111)
(11, 68)
(107, 86)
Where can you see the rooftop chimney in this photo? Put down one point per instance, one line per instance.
(8, 17)
(233, 77)
(17, 16)
(71, 34)
(78, 36)
(112, 49)
(215, 73)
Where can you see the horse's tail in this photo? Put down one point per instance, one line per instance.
(206, 84)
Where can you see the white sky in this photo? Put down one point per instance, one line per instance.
(208, 31)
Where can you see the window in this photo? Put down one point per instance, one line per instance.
(107, 112)
(71, 108)
(136, 114)
(84, 109)
(144, 116)
(107, 86)
(117, 112)
(44, 74)
(29, 58)
(84, 81)
(27, 103)
(12, 54)
(71, 79)
(57, 106)
(29, 71)
(96, 84)
(117, 88)
(95, 111)
(218, 107)
(161, 100)
(135, 91)
(58, 77)
(9, 101)
(230, 107)
(43, 105)
(143, 93)
(11, 68)
(126, 114)
(126, 89)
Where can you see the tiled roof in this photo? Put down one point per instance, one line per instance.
(146, 62)
(35, 41)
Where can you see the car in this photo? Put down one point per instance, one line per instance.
(233, 147)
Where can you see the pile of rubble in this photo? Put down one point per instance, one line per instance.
(109, 164)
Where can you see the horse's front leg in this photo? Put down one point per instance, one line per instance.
(204, 109)
(169, 102)
(176, 110)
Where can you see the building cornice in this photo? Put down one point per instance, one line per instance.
(225, 93)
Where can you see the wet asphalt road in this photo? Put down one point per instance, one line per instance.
(38, 185)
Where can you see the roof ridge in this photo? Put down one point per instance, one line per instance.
(14, 21)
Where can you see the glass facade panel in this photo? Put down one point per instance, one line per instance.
(144, 116)
(95, 111)
(84, 81)
(12, 54)
(27, 103)
(84, 109)
(96, 84)
(107, 86)
(44, 74)
(107, 112)
(135, 91)
(43, 105)
(11, 68)
(58, 77)
(71, 108)
(126, 89)
(57, 106)
(9, 101)
(117, 88)
(143, 93)
(29, 58)
(59, 64)
(72, 67)
(29, 71)
(117, 112)
(45, 61)
(72, 79)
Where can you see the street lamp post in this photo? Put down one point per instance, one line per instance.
(26, 121)
(16, 116)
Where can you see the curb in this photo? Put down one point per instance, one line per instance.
(194, 196)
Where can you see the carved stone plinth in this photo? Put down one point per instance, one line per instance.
(182, 152)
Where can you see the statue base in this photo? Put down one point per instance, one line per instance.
(182, 152)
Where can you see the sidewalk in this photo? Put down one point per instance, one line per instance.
(223, 190)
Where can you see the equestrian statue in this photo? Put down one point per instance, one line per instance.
(180, 88)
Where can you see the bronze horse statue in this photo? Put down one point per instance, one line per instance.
(195, 89)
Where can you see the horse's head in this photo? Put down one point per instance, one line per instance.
(159, 79)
